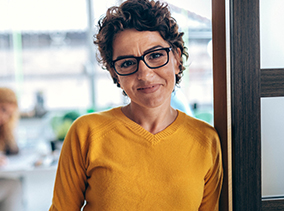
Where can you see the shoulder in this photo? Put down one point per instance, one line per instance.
(98, 117)
(199, 127)
(90, 127)
(201, 132)
(95, 123)
(97, 120)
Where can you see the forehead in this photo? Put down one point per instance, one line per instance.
(133, 42)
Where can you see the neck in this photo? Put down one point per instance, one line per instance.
(153, 120)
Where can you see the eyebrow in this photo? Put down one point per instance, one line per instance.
(131, 56)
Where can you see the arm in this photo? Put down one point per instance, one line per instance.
(70, 183)
(213, 180)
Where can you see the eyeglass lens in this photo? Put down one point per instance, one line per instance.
(153, 59)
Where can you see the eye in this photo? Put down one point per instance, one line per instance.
(127, 63)
(156, 55)
(4, 110)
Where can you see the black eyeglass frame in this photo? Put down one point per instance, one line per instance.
(138, 58)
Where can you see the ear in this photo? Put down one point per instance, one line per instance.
(177, 55)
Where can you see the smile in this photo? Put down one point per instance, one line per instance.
(149, 89)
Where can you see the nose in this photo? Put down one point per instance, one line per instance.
(144, 72)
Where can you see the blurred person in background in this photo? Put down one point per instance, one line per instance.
(10, 189)
(145, 155)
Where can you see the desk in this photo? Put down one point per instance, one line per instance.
(26, 162)
(37, 181)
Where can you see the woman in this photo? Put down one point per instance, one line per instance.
(8, 119)
(10, 189)
(145, 155)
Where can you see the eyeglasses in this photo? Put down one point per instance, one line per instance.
(129, 65)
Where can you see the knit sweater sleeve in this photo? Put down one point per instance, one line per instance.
(214, 177)
(70, 183)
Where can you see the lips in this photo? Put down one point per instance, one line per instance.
(143, 88)
(149, 88)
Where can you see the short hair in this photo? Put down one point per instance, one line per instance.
(142, 15)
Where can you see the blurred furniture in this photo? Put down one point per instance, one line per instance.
(37, 173)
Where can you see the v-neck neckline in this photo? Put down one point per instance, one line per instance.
(153, 138)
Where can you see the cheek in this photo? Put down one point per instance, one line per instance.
(176, 63)
(173, 72)
(176, 67)
(4, 119)
(124, 82)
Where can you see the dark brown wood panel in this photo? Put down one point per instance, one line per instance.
(272, 205)
(272, 82)
(245, 76)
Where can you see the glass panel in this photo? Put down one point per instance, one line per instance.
(272, 137)
(271, 33)
(194, 18)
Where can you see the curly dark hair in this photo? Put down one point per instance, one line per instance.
(142, 15)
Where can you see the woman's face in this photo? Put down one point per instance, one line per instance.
(6, 112)
(147, 87)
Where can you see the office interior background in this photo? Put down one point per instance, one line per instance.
(47, 57)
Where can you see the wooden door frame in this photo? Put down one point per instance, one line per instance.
(239, 83)
(221, 89)
(245, 69)
(236, 74)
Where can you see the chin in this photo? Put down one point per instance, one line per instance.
(155, 103)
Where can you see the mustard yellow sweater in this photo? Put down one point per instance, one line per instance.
(116, 165)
